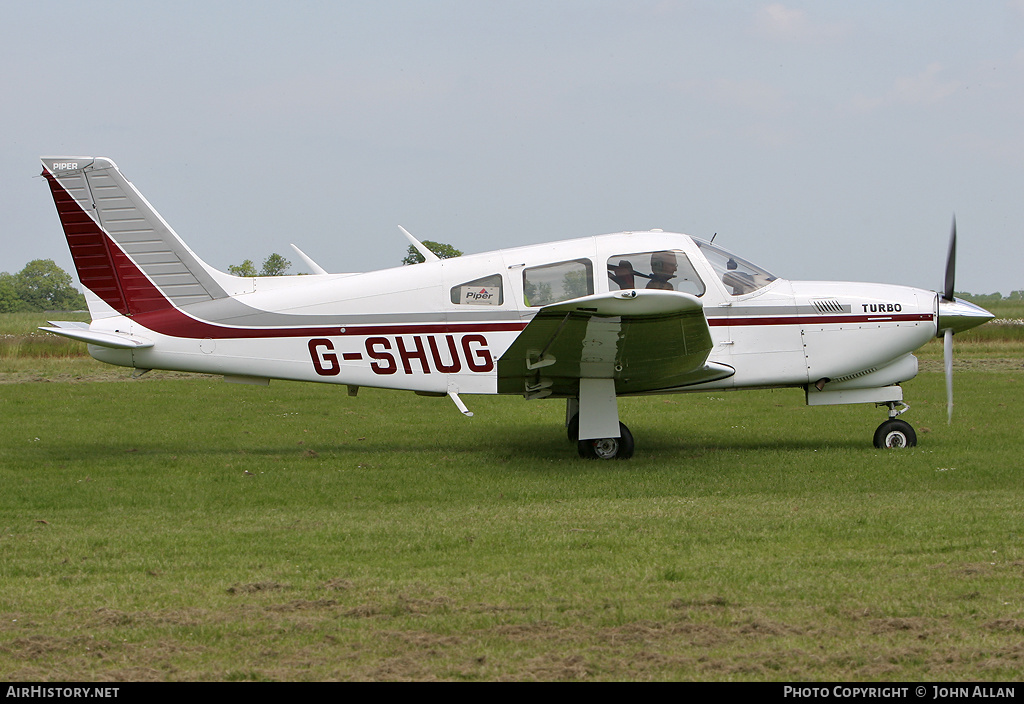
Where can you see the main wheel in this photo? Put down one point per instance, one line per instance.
(895, 433)
(620, 448)
(573, 429)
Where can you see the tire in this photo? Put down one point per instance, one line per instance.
(894, 434)
(573, 429)
(620, 448)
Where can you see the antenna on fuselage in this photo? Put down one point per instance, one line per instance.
(316, 268)
(713, 237)
(427, 254)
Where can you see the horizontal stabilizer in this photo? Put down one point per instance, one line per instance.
(82, 333)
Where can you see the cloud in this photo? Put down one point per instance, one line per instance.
(926, 88)
(776, 21)
(754, 96)
(922, 89)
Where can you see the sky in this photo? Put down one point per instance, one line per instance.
(823, 141)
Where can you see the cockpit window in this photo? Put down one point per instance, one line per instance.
(669, 270)
(738, 275)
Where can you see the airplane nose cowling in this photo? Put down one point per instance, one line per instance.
(959, 315)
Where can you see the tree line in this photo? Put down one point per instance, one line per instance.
(982, 298)
(274, 265)
(41, 285)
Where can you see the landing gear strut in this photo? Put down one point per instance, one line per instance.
(895, 433)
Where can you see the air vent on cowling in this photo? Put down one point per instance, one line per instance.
(855, 375)
(829, 305)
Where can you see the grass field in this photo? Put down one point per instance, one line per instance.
(181, 528)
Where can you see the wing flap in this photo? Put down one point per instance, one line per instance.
(644, 340)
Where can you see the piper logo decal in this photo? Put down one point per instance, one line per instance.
(483, 296)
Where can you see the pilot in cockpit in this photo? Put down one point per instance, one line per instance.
(663, 268)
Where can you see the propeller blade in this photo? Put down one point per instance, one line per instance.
(947, 358)
(947, 287)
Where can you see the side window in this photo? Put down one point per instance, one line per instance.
(669, 270)
(544, 285)
(479, 292)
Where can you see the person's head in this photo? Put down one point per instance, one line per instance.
(664, 264)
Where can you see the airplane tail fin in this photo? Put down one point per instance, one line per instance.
(123, 250)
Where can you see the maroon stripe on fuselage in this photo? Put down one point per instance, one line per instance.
(175, 323)
(820, 319)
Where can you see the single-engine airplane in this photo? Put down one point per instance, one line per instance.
(586, 320)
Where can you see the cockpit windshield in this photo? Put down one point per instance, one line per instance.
(738, 275)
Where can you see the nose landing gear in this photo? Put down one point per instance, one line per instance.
(895, 433)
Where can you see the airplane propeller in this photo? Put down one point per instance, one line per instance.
(947, 285)
(947, 334)
(955, 316)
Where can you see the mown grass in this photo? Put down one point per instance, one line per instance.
(187, 529)
(182, 528)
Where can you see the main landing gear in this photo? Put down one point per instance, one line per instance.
(895, 433)
(620, 448)
(592, 419)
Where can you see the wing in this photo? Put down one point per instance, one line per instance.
(646, 340)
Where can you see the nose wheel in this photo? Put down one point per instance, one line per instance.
(895, 433)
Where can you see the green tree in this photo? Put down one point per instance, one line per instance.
(9, 300)
(246, 268)
(42, 285)
(275, 265)
(442, 250)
